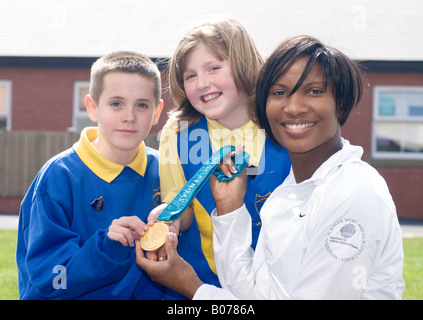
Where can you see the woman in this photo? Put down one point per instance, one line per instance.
(330, 230)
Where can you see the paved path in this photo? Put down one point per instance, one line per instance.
(412, 229)
(8, 222)
(409, 228)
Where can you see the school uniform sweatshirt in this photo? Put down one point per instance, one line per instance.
(63, 251)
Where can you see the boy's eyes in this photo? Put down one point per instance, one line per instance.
(139, 105)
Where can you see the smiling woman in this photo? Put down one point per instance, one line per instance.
(337, 71)
(333, 211)
(306, 118)
(305, 97)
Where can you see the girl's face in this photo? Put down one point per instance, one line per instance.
(211, 89)
(307, 119)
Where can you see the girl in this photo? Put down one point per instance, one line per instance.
(212, 78)
(330, 230)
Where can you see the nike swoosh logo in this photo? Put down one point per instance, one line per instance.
(302, 215)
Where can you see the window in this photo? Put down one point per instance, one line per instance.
(398, 122)
(5, 104)
(80, 114)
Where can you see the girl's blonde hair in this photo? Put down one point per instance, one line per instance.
(226, 39)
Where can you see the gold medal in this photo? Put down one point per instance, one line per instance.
(155, 236)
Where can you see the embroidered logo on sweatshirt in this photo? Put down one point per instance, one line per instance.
(98, 204)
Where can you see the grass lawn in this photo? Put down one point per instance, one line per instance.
(413, 267)
(8, 269)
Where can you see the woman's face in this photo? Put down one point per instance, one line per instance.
(306, 119)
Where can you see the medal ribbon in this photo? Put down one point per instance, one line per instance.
(186, 195)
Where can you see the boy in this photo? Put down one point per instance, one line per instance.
(73, 239)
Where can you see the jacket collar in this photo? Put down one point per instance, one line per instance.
(348, 153)
(103, 168)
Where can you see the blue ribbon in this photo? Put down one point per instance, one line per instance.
(186, 195)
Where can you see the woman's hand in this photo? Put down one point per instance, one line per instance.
(173, 272)
(180, 225)
(229, 195)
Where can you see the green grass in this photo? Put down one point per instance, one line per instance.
(8, 269)
(413, 267)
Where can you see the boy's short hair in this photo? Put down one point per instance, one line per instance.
(124, 61)
(226, 39)
(344, 75)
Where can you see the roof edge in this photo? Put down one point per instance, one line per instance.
(391, 66)
(59, 62)
(86, 62)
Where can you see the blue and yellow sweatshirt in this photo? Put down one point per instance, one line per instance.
(63, 251)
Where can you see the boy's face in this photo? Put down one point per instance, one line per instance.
(125, 112)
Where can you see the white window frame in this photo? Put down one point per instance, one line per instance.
(8, 111)
(377, 118)
(77, 112)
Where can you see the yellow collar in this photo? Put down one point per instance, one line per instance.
(103, 168)
(249, 134)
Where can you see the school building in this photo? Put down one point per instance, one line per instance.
(44, 74)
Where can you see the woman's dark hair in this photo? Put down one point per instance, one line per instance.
(344, 75)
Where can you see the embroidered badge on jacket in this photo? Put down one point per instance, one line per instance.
(345, 240)
(98, 204)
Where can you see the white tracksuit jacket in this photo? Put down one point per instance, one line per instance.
(334, 236)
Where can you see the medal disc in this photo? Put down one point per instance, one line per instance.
(155, 236)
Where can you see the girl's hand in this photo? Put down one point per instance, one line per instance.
(152, 217)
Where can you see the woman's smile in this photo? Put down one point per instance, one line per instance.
(305, 119)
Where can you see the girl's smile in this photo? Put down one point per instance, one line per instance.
(210, 87)
(211, 96)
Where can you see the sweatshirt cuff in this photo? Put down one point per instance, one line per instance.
(230, 215)
(115, 249)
